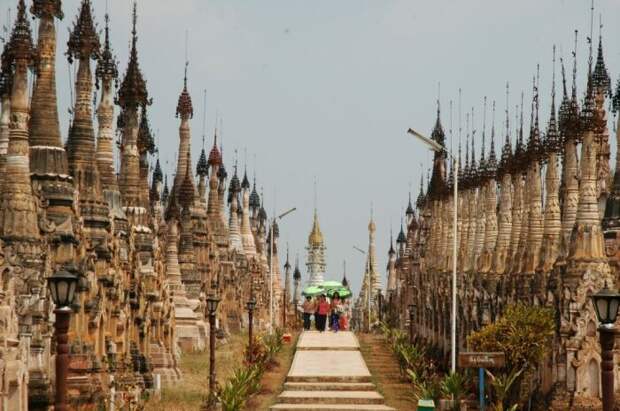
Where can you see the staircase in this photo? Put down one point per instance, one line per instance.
(329, 374)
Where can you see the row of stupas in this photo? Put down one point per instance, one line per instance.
(538, 223)
(146, 254)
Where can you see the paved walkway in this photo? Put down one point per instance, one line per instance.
(329, 374)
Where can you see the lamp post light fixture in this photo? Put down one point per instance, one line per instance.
(280, 217)
(412, 308)
(435, 146)
(368, 299)
(212, 303)
(62, 285)
(606, 303)
(250, 306)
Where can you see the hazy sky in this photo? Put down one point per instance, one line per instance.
(328, 88)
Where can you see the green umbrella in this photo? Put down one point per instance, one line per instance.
(331, 284)
(342, 292)
(312, 291)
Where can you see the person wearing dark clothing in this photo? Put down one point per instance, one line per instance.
(309, 308)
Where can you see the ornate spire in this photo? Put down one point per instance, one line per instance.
(245, 183)
(482, 164)
(466, 167)
(420, 200)
(202, 168)
(44, 124)
(506, 158)
(158, 176)
(166, 191)
(473, 169)
(409, 211)
(132, 92)
(215, 157)
(600, 77)
(106, 73)
(235, 186)
(438, 134)
(107, 67)
(553, 142)
(83, 45)
(254, 197)
(52, 8)
(185, 109)
(573, 123)
(491, 166)
(401, 238)
(18, 216)
(534, 144)
(19, 46)
(297, 273)
(315, 239)
(83, 40)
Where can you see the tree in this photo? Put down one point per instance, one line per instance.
(524, 334)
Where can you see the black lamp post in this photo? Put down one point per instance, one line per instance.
(606, 303)
(212, 302)
(62, 285)
(380, 305)
(412, 308)
(250, 306)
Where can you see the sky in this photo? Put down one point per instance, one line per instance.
(325, 90)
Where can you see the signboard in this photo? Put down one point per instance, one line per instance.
(482, 359)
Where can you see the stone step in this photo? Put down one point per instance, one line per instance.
(328, 378)
(330, 407)
(330, 397)
(332, 386)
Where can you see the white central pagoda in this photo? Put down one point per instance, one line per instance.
(316, 254)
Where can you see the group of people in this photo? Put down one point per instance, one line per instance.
(334, 309)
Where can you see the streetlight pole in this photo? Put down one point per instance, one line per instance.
(606, 303)
(435, 146)
(250, 306)
(62, 285)
(367, 325)
(271, 266)
(212, 303)
(411, 315)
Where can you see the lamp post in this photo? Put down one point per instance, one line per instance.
(250, 306)
(435, 146)
(62, 285)
(212, 303)
(380, 305)
(271, 265)
(412, 309)
(606, 303)
(368, 279)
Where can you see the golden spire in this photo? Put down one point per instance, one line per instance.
(315, 239)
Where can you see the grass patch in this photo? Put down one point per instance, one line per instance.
(189, 393)
(272, 380)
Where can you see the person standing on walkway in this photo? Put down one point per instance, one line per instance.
(344, 315)
(336, 309)
(322, 312)
(309, 308)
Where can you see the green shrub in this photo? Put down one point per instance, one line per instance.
(245, 381)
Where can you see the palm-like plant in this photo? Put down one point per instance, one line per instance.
(454, 385)
(502, 384)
